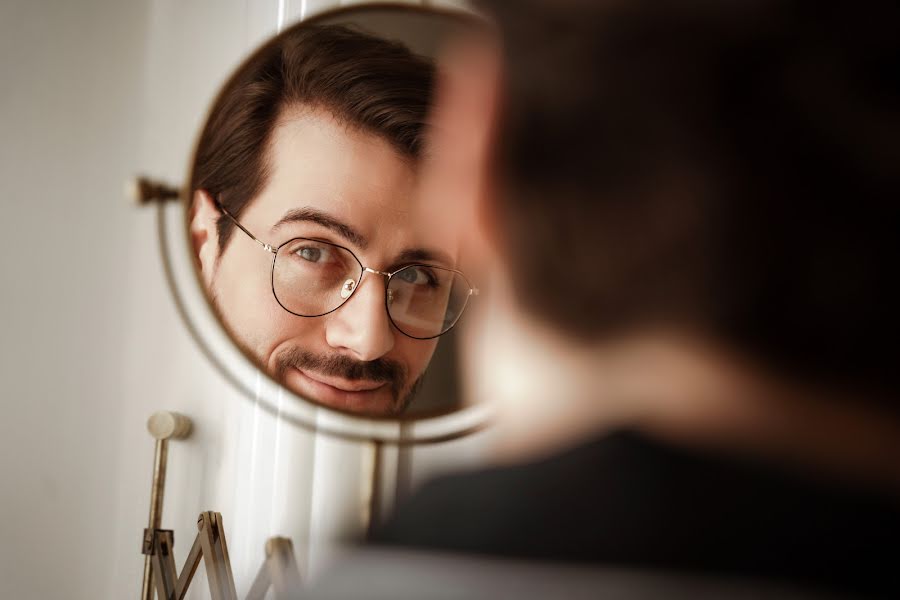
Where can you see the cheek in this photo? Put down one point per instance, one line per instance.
(415, 354)
(244, 296)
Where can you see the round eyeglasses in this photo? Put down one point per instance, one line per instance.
(311, 278)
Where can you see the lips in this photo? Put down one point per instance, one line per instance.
(364, 397)
(344, 385)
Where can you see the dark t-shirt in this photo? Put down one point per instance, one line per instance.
(624, 500)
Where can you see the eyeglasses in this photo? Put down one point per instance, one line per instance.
(311, 278)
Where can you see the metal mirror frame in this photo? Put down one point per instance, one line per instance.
(240, 369)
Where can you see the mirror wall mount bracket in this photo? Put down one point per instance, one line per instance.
(144, 191)
(163, 426)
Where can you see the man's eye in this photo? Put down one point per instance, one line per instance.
(416, 276)
(311, 254)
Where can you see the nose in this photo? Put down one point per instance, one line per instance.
(361, 326)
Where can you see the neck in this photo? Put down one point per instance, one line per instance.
(551, 394)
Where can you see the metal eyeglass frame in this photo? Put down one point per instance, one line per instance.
(473, 291)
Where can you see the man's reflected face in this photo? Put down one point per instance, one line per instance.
(331, 182)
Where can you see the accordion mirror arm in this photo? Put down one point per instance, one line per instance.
(209, 546)
(279, 572)
(161, 577)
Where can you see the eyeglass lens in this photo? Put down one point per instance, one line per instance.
(311, 278)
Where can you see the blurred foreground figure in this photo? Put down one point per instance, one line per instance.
(688, 216)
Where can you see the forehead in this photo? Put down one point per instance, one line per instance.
(317, 161)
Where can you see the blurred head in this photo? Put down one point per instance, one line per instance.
(312, 148)
(727, 169)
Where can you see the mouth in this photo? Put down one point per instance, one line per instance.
(357, 396)
(343, 385)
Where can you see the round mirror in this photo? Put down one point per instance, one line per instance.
(311, 275)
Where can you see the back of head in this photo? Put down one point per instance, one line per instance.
(725, 167)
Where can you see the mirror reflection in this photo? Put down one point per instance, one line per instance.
(303, 215)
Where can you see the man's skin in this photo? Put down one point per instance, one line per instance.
(358, 181)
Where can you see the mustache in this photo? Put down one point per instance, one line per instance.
(337, 365)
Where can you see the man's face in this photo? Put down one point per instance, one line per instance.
(361, 191)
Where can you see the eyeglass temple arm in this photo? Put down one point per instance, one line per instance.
(266, 247)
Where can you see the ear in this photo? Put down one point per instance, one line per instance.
(205, 234)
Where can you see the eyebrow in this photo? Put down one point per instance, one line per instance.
(307, 214)
(415, 255)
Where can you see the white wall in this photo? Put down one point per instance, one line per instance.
(92, 92)
(70, 88)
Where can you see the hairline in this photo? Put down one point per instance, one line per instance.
(297, 110)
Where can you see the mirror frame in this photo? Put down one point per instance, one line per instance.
(238, 367)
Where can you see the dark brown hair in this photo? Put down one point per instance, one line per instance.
(731, 167)
(368, 82)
